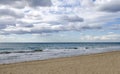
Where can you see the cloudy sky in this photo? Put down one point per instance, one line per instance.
(59, 20)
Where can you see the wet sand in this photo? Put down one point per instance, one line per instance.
(102, 63)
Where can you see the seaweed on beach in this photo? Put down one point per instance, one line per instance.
(6, 52)
(38, 50)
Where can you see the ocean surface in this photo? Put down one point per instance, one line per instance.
(20, 52)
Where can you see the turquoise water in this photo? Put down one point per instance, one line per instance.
(19, 52)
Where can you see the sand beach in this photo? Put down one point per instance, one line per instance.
(101, 63)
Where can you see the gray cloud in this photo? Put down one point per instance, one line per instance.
(72, 18)
(62, 23)
(13, 3)
(47, 28)
(35, 3)
(23, 3)
(24, 24)
(5, 2)
(5, 23)
(64, 19)
(112, 6)
(9, 12)
(2, 26)
(89, 27)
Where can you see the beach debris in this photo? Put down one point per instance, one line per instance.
(38, 50)
(86, 47)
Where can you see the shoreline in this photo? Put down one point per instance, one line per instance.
(86, 54)
(65, 57)
(99, 63)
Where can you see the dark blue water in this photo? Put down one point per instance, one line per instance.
(18, 52)
(42, 46)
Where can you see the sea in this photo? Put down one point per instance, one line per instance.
(21, 52)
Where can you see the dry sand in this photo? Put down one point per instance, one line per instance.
(104, 63)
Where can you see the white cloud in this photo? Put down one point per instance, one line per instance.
(107, 37)
(49, 16)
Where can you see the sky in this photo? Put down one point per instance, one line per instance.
(59, 20)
